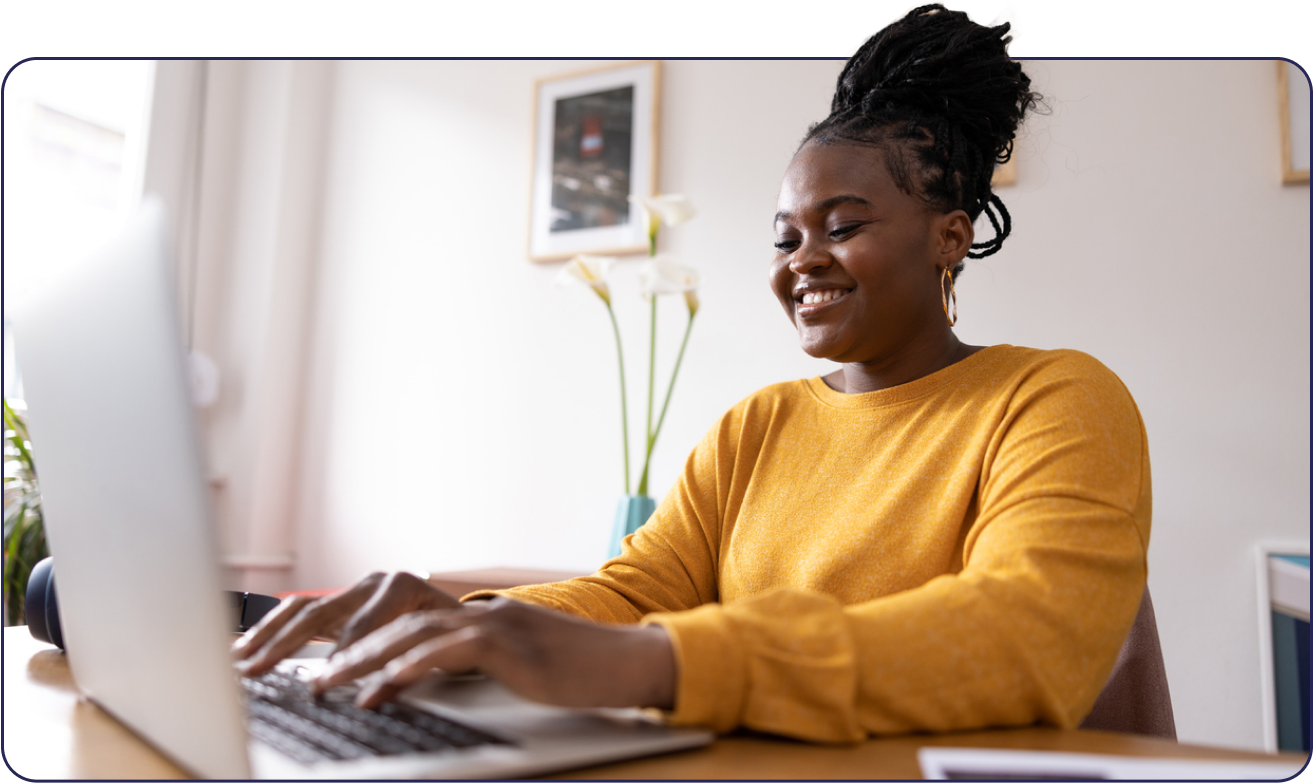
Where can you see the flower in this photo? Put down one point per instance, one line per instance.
(589, 270)
(661, 275)
(671, 209)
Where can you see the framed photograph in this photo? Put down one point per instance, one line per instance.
(1293, 100)
(1283, 622)
(595, 144)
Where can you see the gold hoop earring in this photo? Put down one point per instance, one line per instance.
(948, 293)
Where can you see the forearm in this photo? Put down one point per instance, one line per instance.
(1033, 641)
(666, 566)
(1026, 634)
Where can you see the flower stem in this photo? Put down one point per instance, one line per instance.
(651, 368)
(624, 411)
(651, 440)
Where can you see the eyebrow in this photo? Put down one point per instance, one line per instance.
(826, 205)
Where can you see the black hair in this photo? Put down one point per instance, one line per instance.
(940, 96)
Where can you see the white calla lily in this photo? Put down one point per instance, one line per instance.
(670, 209)
(661, 275)
(589, 270)
(691, 299)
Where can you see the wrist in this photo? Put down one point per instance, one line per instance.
(655, 667)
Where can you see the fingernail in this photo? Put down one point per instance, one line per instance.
(324, 680)
(365, 697)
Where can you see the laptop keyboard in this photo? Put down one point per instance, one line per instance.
(284, 714)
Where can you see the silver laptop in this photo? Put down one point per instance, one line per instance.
(141, 604)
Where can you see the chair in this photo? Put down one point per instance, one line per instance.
(1135, 699)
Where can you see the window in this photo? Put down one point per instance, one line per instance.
(74, 144)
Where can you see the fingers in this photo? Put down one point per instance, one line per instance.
(395, 595)
(385, 644)
(539, 653)
(259, 634)
(295, 622)
(458, 650)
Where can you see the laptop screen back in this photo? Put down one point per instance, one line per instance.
(123, 490)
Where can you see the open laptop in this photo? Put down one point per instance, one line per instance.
(128, 522)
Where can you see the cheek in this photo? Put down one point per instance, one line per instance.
(781, 283)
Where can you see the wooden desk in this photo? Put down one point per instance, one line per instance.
(51, 733)
(459, 583)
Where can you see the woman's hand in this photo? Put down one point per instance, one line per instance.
(346, 617)
(539, 653)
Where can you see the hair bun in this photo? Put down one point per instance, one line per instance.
(939, 93)
(940, 64)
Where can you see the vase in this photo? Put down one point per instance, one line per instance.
(630, 515)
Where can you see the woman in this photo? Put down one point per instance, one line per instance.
(937, 536)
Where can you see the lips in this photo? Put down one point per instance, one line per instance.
(814, 300)
(825, 295)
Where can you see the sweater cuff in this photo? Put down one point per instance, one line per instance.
(711, 670)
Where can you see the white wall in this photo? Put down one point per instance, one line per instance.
(460, 404)
(458, 412)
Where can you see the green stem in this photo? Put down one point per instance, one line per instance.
(670, 390)
(651, 367)
(651, 396)
(624, 411)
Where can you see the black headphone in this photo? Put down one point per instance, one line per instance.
(42, 606)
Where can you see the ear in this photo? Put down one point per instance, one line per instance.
(954, 235)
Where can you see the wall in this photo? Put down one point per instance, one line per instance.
(462, 404)
(459, 412)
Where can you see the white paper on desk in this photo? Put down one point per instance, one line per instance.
(985, 763)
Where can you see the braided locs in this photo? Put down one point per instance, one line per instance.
(940, 96)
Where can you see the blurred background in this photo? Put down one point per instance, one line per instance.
(397, 387)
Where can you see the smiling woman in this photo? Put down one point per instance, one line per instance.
(935, 537)
(857, 267)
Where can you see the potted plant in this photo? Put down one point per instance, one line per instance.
(25, 532)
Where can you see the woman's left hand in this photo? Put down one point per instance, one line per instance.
(541, 654)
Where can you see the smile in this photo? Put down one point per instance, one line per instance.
(818, 297)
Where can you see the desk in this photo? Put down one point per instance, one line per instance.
(49, 732)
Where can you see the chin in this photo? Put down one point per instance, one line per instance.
(817, 349)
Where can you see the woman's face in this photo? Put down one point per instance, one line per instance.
(857, 263)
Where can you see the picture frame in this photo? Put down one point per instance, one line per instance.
(1283, 593)
(1293, 106)
(596, 141)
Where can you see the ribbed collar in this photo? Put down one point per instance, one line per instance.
(960, 372)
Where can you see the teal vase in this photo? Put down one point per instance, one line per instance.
(630, 515)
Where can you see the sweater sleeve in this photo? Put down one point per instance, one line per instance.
(1053, 569)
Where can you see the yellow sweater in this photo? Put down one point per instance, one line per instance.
(964, 550)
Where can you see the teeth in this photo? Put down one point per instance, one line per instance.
(814, 297)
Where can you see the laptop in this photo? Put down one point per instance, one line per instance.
(144, 617)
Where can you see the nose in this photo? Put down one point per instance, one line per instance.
(809, 257)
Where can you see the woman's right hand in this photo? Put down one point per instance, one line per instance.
(346, 616)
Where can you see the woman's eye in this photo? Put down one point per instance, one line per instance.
(786, 245)
(843, 231)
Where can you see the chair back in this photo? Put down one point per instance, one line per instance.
(1135, 699)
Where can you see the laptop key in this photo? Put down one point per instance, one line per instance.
(378, 722)
(285, 743)
(332, 744)
(353, 727)
(299, 724)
